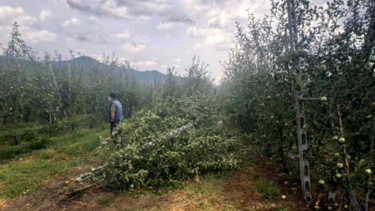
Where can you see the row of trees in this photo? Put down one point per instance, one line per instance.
(49, 89)
(337, 55)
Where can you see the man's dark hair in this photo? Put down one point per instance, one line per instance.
(113, 95)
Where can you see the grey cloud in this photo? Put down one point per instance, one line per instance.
(84, 38)
(96, 8)
(131, 3)
(165, 9)
(181, 19)
(169, 8)
(147, 7)
(90, 7)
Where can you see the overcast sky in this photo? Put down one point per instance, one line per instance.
(151, 34)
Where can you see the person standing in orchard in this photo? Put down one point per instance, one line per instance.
(115, 111)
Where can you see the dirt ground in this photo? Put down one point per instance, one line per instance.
(241, 188)
(234, 191)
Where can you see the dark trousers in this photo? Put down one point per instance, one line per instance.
(114, 124)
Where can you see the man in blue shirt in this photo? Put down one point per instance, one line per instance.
(115, 111)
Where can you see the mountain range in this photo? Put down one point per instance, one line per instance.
(88, 63)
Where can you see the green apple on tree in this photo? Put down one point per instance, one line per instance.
(368, 171)
(339, 165)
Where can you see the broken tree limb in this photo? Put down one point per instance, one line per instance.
(89, 175)
(171, 134)
(75, 192)
(100, 169)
